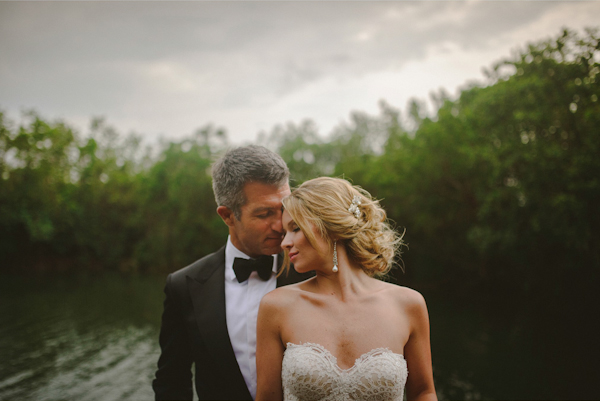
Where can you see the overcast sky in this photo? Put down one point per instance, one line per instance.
(168, 68)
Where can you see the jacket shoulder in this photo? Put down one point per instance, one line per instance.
(199, 270)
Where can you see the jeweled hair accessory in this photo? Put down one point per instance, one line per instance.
(354, 207)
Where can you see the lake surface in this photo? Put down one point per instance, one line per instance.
(96, 338)
(91, 338)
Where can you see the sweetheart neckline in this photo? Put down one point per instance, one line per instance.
(333, 358)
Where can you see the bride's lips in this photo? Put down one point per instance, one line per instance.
(293, 256)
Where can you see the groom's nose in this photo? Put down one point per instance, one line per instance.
(276, 224)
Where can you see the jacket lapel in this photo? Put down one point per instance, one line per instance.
(207, 291)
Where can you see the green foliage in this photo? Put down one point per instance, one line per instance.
(305, 152)
(179, 221)
(102, 202)
(502, 185)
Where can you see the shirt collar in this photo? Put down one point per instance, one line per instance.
(231, 252)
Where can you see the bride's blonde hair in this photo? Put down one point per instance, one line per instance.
(320, 207)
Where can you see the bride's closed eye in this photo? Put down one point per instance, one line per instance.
(292, 226)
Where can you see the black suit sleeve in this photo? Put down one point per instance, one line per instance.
(174, 375)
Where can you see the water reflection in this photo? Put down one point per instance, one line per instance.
(87, 339)
(96, 338)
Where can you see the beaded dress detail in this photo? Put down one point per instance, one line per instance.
(310, 373)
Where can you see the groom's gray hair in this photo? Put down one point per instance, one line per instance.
(239, 166)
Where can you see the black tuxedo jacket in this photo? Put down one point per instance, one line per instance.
(194, 330)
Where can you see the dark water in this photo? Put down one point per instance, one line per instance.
(79, 339)
(96, 338)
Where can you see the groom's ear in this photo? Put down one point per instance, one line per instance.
(226, 214)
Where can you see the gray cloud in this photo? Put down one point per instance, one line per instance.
(117, 58)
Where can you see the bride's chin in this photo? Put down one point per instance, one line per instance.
(299, 269)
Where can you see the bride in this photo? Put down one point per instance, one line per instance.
(341, 335)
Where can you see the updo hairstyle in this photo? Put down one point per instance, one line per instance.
(320, 206)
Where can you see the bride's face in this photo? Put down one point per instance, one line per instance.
(302, 254)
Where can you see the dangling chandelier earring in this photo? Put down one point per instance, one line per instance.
(335, 267)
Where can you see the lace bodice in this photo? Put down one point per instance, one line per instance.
(310, 373)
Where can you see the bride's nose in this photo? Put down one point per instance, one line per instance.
(287, 242)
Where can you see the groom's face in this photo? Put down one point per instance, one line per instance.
(259, 230)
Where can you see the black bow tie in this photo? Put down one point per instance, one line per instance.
(243, 267)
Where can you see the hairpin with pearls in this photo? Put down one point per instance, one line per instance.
(354, 207)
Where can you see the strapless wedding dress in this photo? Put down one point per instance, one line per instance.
(310, 373)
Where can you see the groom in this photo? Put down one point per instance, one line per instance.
(210, 307)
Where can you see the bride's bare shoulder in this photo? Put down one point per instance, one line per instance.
(284, 296)
(405, 297)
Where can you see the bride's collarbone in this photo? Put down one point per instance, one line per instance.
(349, 299)
(341, 309)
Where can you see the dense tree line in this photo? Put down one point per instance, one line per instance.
(500, 186)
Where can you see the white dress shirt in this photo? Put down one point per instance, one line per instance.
(241, 306)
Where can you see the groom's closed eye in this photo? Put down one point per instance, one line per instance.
(263, 213)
